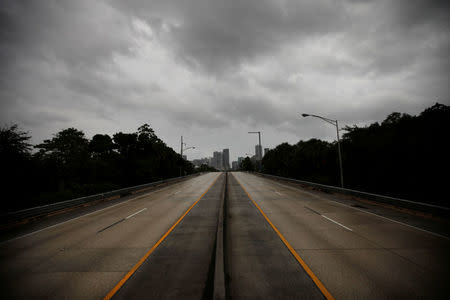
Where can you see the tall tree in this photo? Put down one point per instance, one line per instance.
(14, 142)
(16, 166)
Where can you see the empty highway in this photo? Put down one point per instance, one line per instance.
(280, 242)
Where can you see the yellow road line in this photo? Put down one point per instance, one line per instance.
(144, 258)
(316, 280)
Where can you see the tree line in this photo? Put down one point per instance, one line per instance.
(69, 165)
(403, 156)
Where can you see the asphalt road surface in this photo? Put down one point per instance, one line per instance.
(182, 266)
(86, 257)
(280, 242)
(355, 254)
(259, 266)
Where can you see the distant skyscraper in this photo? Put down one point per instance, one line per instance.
(258, 152)
(235, 165)
(226, 159)
(215, 160)
(219, 161)
(240, 159)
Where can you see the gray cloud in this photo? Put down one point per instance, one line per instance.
(213, 67)
(218, 36)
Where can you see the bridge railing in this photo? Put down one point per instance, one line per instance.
(419, 206)
(53, 207)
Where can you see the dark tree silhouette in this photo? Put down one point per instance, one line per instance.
(16, 166)
(69, 165)
(14, 143)
(247, 165)
(101, 145)
(404, 156)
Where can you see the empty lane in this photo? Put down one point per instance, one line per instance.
(181, 267)
(258, 264)
(355, 254)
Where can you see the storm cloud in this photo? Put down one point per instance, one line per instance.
(213, 70)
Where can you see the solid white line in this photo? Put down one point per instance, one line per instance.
(132, 215)
(276, 192)
(336, 222)
(367, 212)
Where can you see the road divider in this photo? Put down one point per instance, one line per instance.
(219, 285)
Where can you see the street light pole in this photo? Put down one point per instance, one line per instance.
(335, 123)
(340, 155)
(181, 152)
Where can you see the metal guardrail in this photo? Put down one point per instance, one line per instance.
(49, 208)
(423, 207)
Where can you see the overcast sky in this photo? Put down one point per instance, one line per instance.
(213, 70)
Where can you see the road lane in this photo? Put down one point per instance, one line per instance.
(181, 267)
(74, 260)
(258, 264)
(378, 259)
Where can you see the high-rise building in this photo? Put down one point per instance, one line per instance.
(240, 159)
(258, 152)
(235, 165)
(219, 161)
(226, 159)
(215, 160)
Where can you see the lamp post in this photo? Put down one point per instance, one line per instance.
(183, 148)
(258, 155)
(335, 123)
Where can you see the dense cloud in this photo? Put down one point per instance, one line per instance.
(212, 70)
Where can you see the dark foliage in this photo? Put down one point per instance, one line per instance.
(205, 168)
(247, 165)
(69, 165)
(404, 156)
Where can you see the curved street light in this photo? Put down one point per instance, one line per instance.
(187, 148)
(183, 148)
(335, 123)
